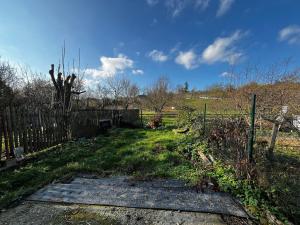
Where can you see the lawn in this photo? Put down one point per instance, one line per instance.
(138, 152)
(146, 154)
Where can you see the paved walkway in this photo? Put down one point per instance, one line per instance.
(125, 192)
(123, 201)
(45, 213)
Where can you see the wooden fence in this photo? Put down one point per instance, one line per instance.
(34, 130)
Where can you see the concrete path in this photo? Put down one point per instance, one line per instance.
(125, 192)
(45, 213)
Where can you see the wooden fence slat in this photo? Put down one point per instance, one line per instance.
(53, 126)
(38, 131)
(29, 130)
(19, 127)
(34, 134)
(49, 130)
(14, 123)
(10, 132)
(61, 127)
(5, 135)
(25, 129)
(42, 129)
(1, 134)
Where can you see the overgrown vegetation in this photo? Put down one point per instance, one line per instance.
(263, 186)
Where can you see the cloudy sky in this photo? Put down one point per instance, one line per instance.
(187, 40)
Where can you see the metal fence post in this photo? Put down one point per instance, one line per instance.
(204, 119)
(252, 127)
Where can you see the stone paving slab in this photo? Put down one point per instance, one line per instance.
(121, 191)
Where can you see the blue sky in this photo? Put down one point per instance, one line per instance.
(187, 40)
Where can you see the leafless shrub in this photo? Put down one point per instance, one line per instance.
(155, 121)
(227, 138)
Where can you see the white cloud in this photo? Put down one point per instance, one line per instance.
(137, 72)
(291, 34)
(158, 56)
(223, 50)
(224, 6)
(187, 59)
(152, 2)
(111, 66)
(227, 74)
(90, 82)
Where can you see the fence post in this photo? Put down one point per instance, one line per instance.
(252, 124)
(142, 117)
(1, 128)
(204, 119)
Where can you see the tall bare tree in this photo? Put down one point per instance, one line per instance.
(63, 95)
(63, 86)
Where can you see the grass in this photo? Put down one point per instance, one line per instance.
(138, 152)
(145, 153)
(80, 216)
(167, 120)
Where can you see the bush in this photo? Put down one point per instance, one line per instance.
(155, 121)
(192, 119)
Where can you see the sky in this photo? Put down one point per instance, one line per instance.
(198, 41)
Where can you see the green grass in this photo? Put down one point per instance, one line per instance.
(167, 120)
(138, 152)
(225, 105)
(80, 216)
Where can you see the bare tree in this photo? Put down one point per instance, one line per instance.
(63, 96)
(122, 91)
(102, 94)
(37, 93)
(115, 87)
(63, 86)
(79, 86)
(8, 74)
(8, 81)
(158, 95)
(129, 93)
